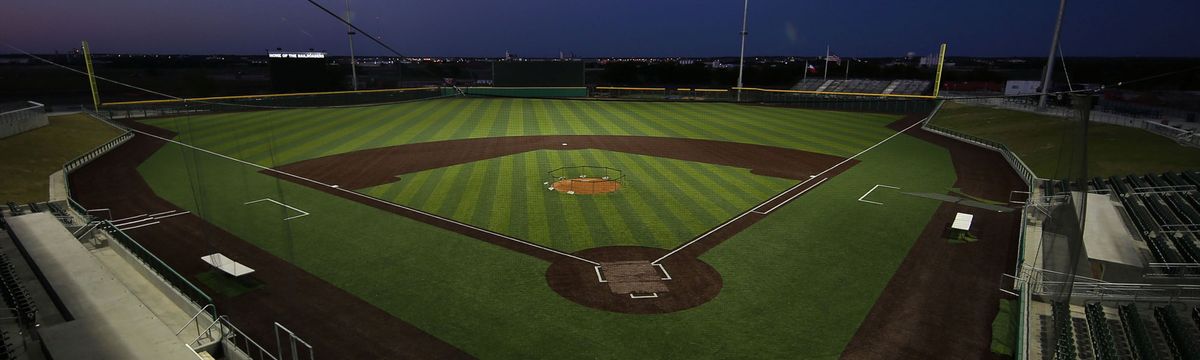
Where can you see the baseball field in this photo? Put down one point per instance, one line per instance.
(448, 227)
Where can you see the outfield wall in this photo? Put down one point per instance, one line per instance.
(21, 118)
(533, 92)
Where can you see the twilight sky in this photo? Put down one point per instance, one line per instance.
(593, 28)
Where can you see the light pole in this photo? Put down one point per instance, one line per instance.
(1047, 79)
(742, 55)
(350, 36)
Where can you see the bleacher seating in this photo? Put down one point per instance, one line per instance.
(14, 293)
(1064, 347)
(1181, 338)
(809, 84)
(900, 87)
(14, 209)
(1165, 209)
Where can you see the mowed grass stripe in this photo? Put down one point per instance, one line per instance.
(647, 126)
(459, 125)
(383, 134)
(668, 177)
(591, 214)
(830, 125)
(425, 123)
(667, 217)
(537, 214)
(517, 187)
(543, 120)
(500, 214)
(299, 134)
(578, 232)
(825, 141)
(446, 190)
(291, 125)
(323, 145)
(605, 207)
(403, 191)
(623, 204)
(466, 209)
(558, 233)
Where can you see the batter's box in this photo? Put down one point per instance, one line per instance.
(632, 277)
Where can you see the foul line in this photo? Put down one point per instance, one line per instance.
(864, 196)
(740, 216)
(381, 201)
(302, 212)
(793, 197)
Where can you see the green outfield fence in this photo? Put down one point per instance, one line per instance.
(533, 92)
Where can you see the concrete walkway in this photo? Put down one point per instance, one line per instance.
(110, 322)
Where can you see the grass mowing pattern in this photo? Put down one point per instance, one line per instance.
(28, 159)
(662, 202)
(284, 136)
(1112, 149)
(797, 284)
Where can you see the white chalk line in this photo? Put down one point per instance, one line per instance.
(740, 216)
(793, 197)
(349, 192)
(864, 195)
(302, 212)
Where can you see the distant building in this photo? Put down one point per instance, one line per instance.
(1022, 87)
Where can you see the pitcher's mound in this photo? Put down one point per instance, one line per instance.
(586, 186)
(627, 282)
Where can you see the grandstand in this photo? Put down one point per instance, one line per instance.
(864, 86)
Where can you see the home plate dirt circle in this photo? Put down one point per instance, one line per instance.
(626, 281)
(586, 186)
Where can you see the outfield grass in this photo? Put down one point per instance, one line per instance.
(280, 137)
(1037, 139)
(662, 202)
(796, 285)
(28, 159)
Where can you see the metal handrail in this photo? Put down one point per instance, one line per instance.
(194, 318)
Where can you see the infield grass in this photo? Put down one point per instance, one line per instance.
(662, 202)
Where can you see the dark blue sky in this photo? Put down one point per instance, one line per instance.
(608, 28)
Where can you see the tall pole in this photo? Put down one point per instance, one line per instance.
(805, 77)
(87, 59)
(742, 55)
(826, 76)
(937, 78)
(848, 61)
(350, 36)
(1047, 79)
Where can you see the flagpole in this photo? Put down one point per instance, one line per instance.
(848, 61)
(742, 56)
(826, 76)
(805, 77)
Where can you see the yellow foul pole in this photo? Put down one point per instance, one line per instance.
(87, 59)
(937, 81)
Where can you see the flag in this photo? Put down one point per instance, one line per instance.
(812, 69)
(833, 58)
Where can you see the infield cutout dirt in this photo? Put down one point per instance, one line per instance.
(627, 282)
(586, 186)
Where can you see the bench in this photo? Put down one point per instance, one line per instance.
(220, 261)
